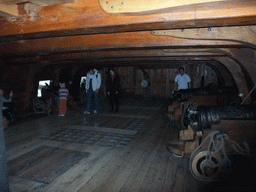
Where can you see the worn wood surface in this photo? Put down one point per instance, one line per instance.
(62, 20)
(143, 165)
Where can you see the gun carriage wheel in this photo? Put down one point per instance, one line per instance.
(206, 166)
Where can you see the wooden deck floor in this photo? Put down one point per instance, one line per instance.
(93, 153)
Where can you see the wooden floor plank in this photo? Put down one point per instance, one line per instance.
(116, 171)
(20, 184)
(20, 150)
(174, 179)
(75, 178)
(125, 115)
(155, 178)
(54, 166)
(21, 164)
(135, 179)
(190, 184)
(104, 129)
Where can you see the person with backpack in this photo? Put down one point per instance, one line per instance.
(92, 86)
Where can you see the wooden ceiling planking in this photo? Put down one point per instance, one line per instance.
(86, 17)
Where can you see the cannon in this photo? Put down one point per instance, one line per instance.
(191, 98)
(47, 102)
(211, 89)
(213, 133)
(203, 117)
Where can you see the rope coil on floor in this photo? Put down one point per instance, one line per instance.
(206, 165)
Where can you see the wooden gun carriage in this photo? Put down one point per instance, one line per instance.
(47, 103)
(214, 132)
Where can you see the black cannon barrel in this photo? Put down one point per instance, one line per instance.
(208, 115)
(184, 94)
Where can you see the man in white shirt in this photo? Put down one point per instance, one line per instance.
(181, 80)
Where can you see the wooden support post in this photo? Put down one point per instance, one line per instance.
(4, 183)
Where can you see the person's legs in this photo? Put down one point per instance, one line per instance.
(61, 107)
(111, 100)
(64, 106)
(96, 101)
(89, 100)
(117, 103)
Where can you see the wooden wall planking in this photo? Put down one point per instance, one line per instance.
(162, 79)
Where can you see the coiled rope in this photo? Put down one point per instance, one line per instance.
(216, 148)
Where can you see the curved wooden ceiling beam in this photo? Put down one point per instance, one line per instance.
(237, 74)
(247, 58)
(224, 72)
(83, 17)
(242, 34)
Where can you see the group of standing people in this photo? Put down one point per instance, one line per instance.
(113, 88)
(92, 86)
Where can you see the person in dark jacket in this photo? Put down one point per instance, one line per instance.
(113, 89)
